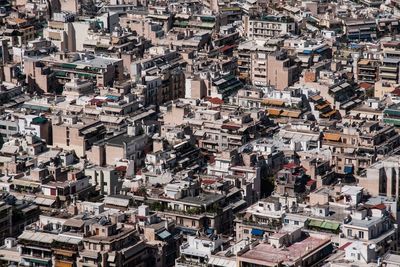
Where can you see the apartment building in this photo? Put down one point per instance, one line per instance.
(68, 133)
(282, 70)
(365, 145)
(381, 178)
(215, 136)
(360, 29)
(268, 26)
(374, 227)
(105, 179)
(126, 145)
(65, 35)
(61, 34)
(295, 252)
(368, 70)
(390, 115)
(197, 250)
(389, 70)
(261, 219)
(19, 31)
(157, 84)
(49, 73)
(6, 229)
(151, 25)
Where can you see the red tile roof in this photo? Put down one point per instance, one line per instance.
(365, 85)
(215, 100)
(345, 245)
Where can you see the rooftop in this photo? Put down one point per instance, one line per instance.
(267, 254)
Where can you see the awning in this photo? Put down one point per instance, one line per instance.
(332, 136)
(164, 234)
(45, 262)
(74, 223)
(64, 252)
(316, 97)
(187, 230)
(348, 169)
(209, 231)
(330, 113)
(273, 102)
(35, 107)
(292, 114)
(25, 183)
(322, 49)
(274, 112)
(321, 106)
(89, 254)
(315, 223)
(44, 201)
(257, 232)
(330, 226)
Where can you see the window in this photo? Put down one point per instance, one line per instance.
(12, 128)
(296, 222)
(286, 220)
(349, 232)
(193, 223)
(3, 127)
(246, 231)
(361, 234)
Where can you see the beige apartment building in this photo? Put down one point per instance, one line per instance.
(38, 75)
(20, 32)
(71, 6)
(356, 148)
(61, 34)
(150, 26)
(44, 73)
(382, 178)
(78, 136)
(268, 26)
(67, 36)
(129, 145)
(282, 71)
(259, 65)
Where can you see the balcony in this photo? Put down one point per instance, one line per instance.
(273, 226)
(388, 69)
(368, 68)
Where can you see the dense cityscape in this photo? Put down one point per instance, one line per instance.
(187, 133)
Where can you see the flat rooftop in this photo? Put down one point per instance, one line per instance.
(267, 254)
(202, 199)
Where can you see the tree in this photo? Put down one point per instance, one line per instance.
(267, 185)
(1, 141)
